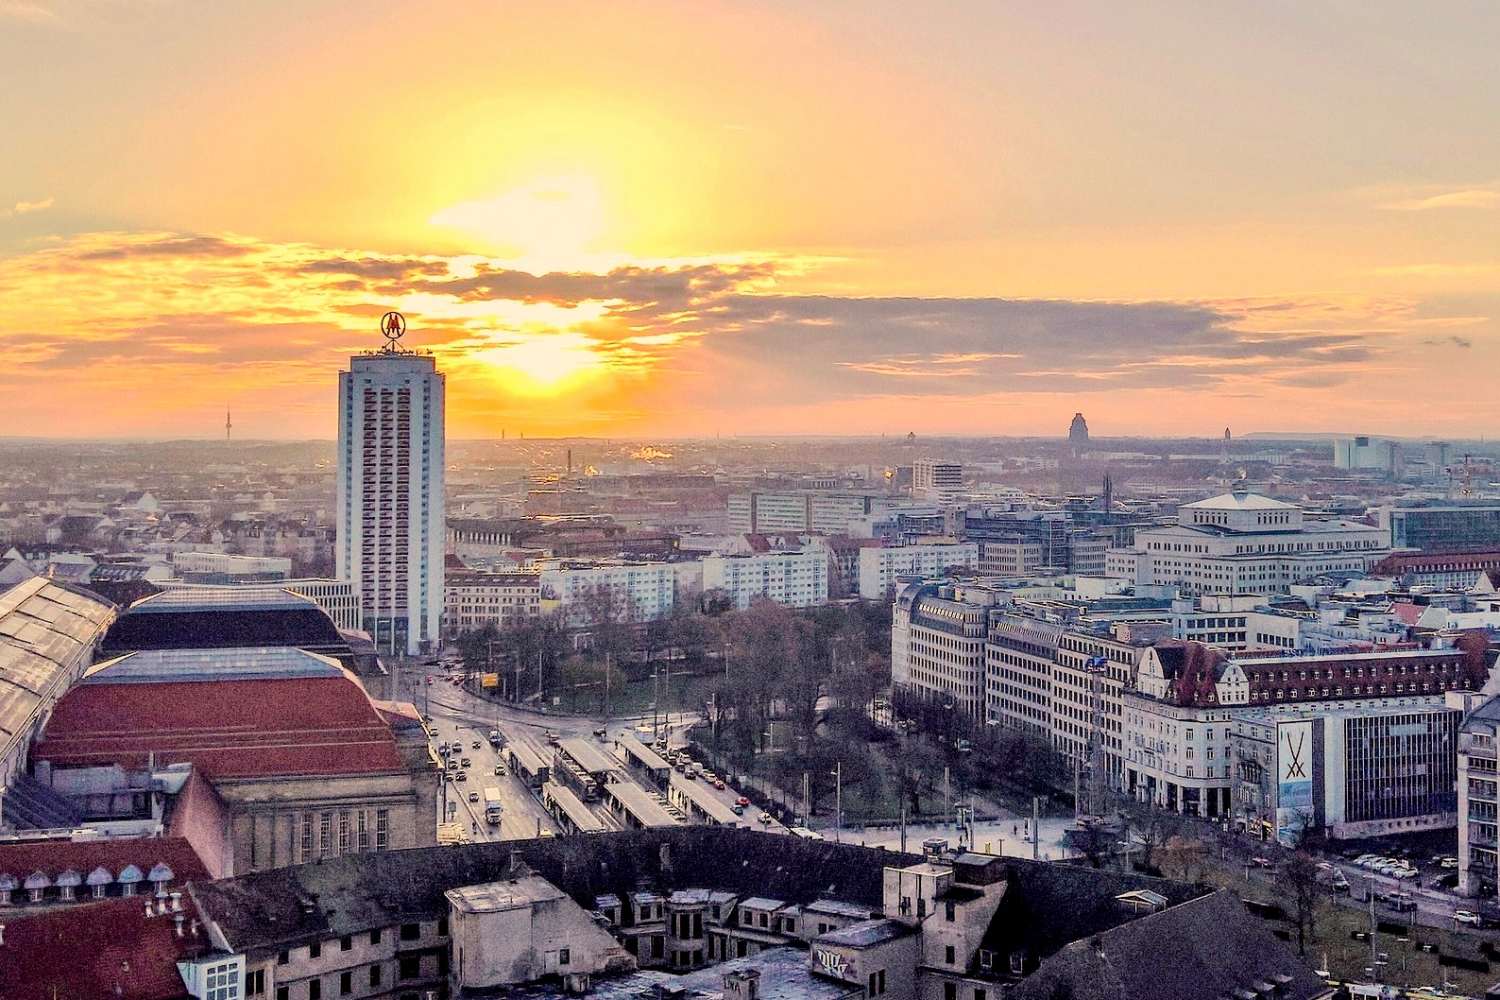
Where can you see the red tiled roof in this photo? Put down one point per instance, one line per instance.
(53, 857)
(227, 729)
(1406, 612)
(91, 949)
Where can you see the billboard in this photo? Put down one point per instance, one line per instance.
(489, 680)
(1295, 810)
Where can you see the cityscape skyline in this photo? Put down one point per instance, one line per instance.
(979, 221)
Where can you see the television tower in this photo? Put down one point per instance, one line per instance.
(228, 425)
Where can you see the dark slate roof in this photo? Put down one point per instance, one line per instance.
(172, 621)
(1047, 905)
(363, 891)
(1173, 955)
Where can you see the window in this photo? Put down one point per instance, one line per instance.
(948, 909)
(986, 959)
(283, 957)
(99, 891)
(410, 932)
(346, 942)
(382, 829)
(563, 957)
(255, 983)
(948, 954)
(950, 991)
(222, 982)
(283, 993)
(442, 926)
(980, 994)
(315, 950)
(315, 989)
(346, 983)
(374, 975)
(411, 967)
(375, 936)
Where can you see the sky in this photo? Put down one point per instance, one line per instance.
(686, 219)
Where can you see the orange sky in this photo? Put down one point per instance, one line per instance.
(676, 219)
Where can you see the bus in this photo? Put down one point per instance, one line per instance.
(492, 805)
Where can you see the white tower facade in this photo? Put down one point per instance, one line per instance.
(390, 493)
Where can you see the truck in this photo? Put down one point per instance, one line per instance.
(492, 805)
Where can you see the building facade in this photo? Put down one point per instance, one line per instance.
(390, 497)
(937, 644)
(473, 600)
(794, 578)
(623, 590)
(1244, 543)
(881, 569)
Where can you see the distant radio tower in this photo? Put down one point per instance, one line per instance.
(228, 426)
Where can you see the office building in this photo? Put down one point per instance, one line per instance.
(1245, 543)
(1364, 452)
(1019, 656)
(936, 480)
(937, 644)
(335, 597)
(390, 493)
(1347, 773)
(883, 570)
(1441, 527)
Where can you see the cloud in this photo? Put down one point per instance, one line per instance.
(1450, 341)
(28, 207)
(654, 341)
(1431, 197)
(25, 10)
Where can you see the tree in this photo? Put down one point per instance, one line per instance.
(1184, 858)
(1095, 839)
(1298, 880)
(1149, 828)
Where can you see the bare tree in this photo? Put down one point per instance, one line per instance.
(1184, 858)
(1298, 879)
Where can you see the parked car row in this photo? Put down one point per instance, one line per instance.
(1392, 867)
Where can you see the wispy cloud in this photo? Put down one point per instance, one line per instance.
(27, 207)
(1432, 197)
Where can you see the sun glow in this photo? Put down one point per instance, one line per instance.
(551, 223)
(543, 366)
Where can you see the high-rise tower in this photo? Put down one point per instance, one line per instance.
(390, 491)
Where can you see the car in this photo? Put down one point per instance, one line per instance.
(1401, 902)
(1339, 885)
(742, 802)
(1448, 862)
(475, 745)
(1262, 862)
(1467, 917)
(466, 762)
(552, 738)
(500, 770)
(601, 734)
(473, 796)
(461, 776)
(680, 767)
(432, 730)
(737, 809)
(719, 784)
(764, 818)
(443, 748)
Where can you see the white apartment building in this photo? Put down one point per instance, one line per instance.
(801, 511)
(794, 578)
(937, 644)
(505, 600)
(881, 569)
(627, 591)
(1244, 543)
(223, 567)
(935, 479)
(1234, 622)
(390, 496)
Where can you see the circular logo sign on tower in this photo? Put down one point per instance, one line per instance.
(392, 326)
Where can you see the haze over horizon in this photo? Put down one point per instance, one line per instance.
(678, 220)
